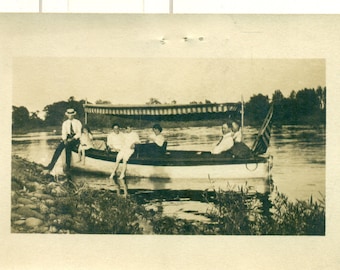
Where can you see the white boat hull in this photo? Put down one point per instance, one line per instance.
(226, 176)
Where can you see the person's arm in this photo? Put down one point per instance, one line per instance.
(108, 141)
(151, 138)
(227, 143)
(135, 141)
(224, 145)
(64, 131)
(159, 140)
(77, 129)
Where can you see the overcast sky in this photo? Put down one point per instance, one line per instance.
(128, 59)
(41, 81)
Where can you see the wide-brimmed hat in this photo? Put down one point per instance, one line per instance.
(70, 112)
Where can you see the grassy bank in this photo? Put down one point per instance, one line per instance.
(41, 205)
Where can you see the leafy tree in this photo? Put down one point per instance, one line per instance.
(35, 121)
(256, 109)
(55, 113)
(278, 101)
(321, 93)
(153, 101)
(20, 116)
(292, 95)
(307, 102)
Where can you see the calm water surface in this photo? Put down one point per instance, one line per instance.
(298, 172)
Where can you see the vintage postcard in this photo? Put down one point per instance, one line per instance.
(156, 141)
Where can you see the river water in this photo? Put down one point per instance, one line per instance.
(298, 171)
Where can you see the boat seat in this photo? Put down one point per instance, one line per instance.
(148, 149)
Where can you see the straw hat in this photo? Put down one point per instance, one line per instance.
(70, 112)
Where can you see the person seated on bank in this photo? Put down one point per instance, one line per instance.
(226, 142)
(70, 134)
(131, 138)
(86, 142)
(115, 139)
(237, 134)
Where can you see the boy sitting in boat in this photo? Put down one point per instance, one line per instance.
(226, 142)
(86, 142)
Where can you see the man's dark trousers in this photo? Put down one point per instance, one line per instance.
(68, 150)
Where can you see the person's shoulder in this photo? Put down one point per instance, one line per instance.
(65, 122)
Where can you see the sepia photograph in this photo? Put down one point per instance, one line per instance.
(208, 129)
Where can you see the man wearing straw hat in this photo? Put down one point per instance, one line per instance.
(70, 134)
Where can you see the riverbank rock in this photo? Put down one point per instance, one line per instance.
(43, 196)
(33, 222)
(43, 208)
(15, 216)
(19, 222)
(28, 212)
(24, 201)
(49, 202)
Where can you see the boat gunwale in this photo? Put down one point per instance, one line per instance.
(174, 158)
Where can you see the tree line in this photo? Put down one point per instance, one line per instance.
(306, 106)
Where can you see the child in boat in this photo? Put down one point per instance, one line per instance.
(86, 142)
